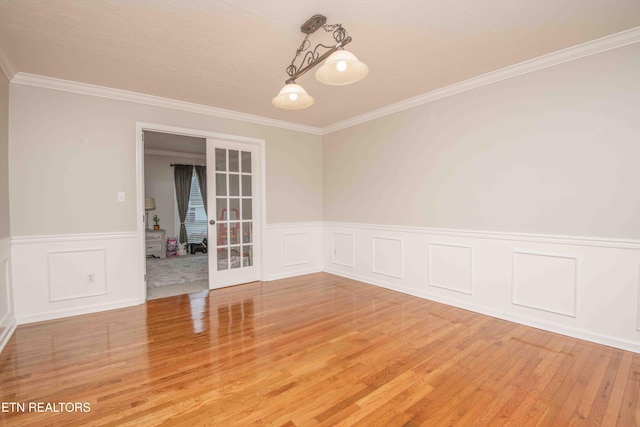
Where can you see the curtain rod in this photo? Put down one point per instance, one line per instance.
(180, 164)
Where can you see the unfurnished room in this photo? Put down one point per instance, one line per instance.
(320, 213)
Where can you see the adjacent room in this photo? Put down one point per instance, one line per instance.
(316, 213)
(174, 267)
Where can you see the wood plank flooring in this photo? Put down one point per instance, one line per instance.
(316, 350)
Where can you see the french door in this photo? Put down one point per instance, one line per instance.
(234, 213)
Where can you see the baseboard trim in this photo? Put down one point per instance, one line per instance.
(8, 333)
(76, 311)
(295, 273)
(522, 320)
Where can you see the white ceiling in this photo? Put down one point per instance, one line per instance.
(232, 54)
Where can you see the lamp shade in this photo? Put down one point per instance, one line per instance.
(149, 203)
(341, 68)
(293, 97)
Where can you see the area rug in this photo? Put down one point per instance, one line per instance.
(174, 270)
(179, 289)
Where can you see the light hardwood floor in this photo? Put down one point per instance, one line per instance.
(307, 351)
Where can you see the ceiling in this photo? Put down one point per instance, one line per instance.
(232, 54)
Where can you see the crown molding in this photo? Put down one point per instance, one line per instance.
(582, 50)
(155, 101)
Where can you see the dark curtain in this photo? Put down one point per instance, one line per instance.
(182, 175)
(201, 173)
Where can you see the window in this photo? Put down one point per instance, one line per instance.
(196, 220)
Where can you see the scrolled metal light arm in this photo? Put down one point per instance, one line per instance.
(313, 57)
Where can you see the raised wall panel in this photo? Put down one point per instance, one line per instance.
(76, 274)
(343, 249)
(545, 282)
(296, 247)
(450, 267)
(388, 257)
(292, 249)
(5, 305)
(638, 305)
(7, 314)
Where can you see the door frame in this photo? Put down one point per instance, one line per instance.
(140, 237)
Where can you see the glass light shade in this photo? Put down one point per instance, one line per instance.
(341, 68)
(293, 97)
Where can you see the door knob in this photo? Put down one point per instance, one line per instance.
(213, 221)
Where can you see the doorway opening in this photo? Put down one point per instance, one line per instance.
(185, 198)
(174, 267)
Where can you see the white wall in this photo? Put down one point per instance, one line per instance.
(553, 152)
(518, 199)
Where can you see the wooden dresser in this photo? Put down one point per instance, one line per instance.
(156, 242)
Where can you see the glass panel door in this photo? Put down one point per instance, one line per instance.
(235, 204)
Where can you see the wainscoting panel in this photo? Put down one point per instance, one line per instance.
(388, 257)
(450, 267)
(580, 287)
(292, 250)
(66, 275)
(638, 306)
(343, 248)
(545, 282)
(297, 248)
(76, 274)
(7, 314)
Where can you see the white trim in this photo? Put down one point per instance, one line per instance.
(499, 235)
(284, 252)
(28, 240)
(582, 50)
(353, 249)
(155, 101)
(8, 316)
(430, 281)
(76, 296)
(8, 333)
(573, 312)
(638, 303)
(175, 154)
(8, 321)
(296, 273)
(584, 334)
(373, 256)
(87, 309)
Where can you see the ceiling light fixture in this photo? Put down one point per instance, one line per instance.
(340, 68)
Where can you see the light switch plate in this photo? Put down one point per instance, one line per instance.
(121, 196)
